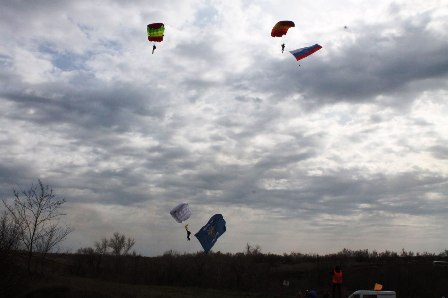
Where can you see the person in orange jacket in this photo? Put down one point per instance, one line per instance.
(336, 281)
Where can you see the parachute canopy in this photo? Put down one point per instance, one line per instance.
(155, 31)
(209, 233)
(305, 52)
(181, 212)
(281, 28)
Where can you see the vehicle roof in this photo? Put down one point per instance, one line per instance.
(372, 292)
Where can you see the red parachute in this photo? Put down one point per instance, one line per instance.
(281, 28)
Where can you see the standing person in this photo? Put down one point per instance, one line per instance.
(336, 281)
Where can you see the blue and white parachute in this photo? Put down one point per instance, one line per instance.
(181, 212)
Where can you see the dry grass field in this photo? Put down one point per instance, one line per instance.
(74, 287)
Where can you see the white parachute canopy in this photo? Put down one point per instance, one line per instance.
(181, 212)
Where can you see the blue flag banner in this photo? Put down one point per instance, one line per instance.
(209, 233)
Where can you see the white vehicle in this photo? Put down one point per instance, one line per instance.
(372, 294)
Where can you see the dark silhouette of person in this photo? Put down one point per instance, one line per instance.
(336, 280)
(188, 235)
(188, 232)
(153, 48)
(283, 47)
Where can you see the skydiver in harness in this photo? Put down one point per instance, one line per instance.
(283, 47)
(188, 232)
(153, 48)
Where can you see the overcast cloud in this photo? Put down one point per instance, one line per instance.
(347, 148)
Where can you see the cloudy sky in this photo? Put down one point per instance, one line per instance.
(347, 150)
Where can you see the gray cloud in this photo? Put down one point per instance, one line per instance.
(352, 135)
(401, 64)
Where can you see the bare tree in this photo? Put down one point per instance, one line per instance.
(37, 212)
(9, 242)
(116, 243)
(128, 245)
(53, 235)
(252, 250)
(101, 246)
(9, 233)
(120, 245)
(85, 251)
